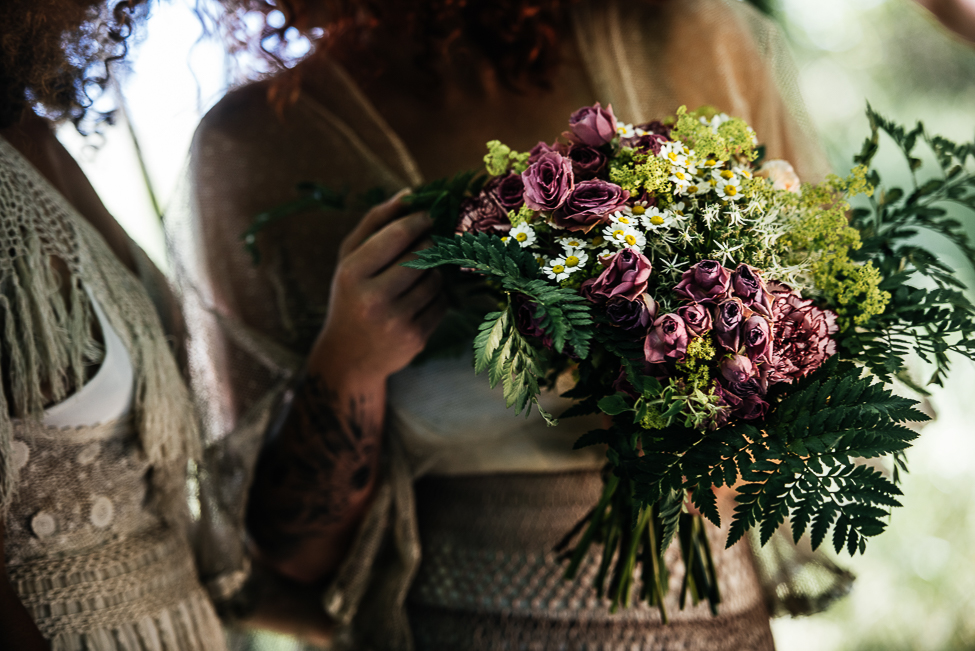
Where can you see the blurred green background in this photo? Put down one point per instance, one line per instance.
(916, 583)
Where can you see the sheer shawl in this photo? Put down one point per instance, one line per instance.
(251, 325)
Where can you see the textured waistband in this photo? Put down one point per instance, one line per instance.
(118, 583)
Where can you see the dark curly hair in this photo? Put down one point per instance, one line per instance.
(57, 55)
(520, 39)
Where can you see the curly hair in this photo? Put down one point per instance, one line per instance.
(57, 55)
(520, 39)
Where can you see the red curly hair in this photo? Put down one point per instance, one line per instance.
(56, 55)
(520, 39)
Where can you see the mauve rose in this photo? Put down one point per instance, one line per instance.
(547, 181)
(544, 148)
(650, 143)
(507, 190)
(526, 322)
(626, 276)
(802, 339)
(756, 335)
(696, 317)
(751, 408)
(728, 316)
(741, 376)
(483, 214)
(632, 315)
(589, 204)
(705, 282)
(593, 125)
(587, 162)
(667, 340)
(747, 284)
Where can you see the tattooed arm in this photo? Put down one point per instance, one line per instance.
(316, 475)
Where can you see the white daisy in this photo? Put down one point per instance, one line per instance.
(605, 255)
(675, 152)
(730, 190)
(574, 260)
(523, 234)
(598, 242)
(681, 178)
(623, 219)
(716, 121)
(556, 269)
(625, 130)
(656, 218)
(573, 243)
(625, 237)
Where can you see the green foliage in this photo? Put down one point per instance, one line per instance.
(499, 348)
(442, 199)
(500, 158)
(928, 311)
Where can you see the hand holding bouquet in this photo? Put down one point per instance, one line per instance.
(737, 325)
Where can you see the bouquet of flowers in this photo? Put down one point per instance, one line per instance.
(736, 327)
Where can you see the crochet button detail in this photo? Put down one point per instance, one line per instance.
(43, 524)
(102, 512)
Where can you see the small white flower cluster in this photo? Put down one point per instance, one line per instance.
(693, 176)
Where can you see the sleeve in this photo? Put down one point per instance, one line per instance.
(251, 324)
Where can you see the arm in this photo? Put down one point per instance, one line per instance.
(316, 475)
(17, 629)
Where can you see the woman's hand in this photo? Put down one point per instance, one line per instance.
(316, 476)
(380, 313)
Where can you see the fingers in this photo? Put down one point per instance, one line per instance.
(420, 294)
(376, 218)
(429, 317)
(389, 244)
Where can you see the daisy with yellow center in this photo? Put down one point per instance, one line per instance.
(557, 269)
(656, 219)
(575, 258)
(573, 243)
(623, 219)
(729, 189)
(625, 237)
(523, 234)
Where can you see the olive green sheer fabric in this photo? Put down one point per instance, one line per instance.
(252, 324)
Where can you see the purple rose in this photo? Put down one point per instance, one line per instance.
(705, 282)
(696, 317)
(508, 191)
(626, 276)
(751, 408)
(728, 316)
(756, 335)
(649, 143)
(747, 284)
(543, 148)
(741, 376)
(526, 322)
(587, 162)
(593, 125)
(483, 214)
(632, 315)
(588, 204)
(547, 181)
(802, 339)
(667, 340)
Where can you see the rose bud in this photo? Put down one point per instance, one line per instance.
(747, 284)
(547, 182)
(508, 191)
(625, 276)
(741, 376)
(526, 322)
(593, 125)
(696, 317)
(728, 316)
(587, 162)
(588, 205)
(632, 315)
(756, 335)
(705, 282)
(781, 174)
(751, 408)
(802, 339)
(483, 214)
(667, 340)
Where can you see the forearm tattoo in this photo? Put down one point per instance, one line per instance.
(313, 475)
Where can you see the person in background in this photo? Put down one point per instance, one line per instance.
(423, 511)
(96, 423)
